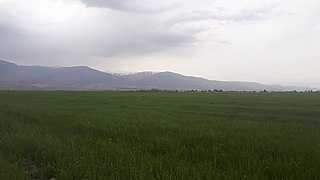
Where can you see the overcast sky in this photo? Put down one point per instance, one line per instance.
(268, 41)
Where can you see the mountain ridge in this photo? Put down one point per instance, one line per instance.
(13, 76)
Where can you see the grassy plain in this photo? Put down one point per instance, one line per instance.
(144, 135)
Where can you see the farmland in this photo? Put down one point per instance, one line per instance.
(150, 135)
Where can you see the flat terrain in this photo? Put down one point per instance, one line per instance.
(144, 135)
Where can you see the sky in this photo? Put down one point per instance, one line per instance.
(266, 41)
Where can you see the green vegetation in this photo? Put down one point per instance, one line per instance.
(149, 135)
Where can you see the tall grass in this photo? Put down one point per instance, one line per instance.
(98, 135)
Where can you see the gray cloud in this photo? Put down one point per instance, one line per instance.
(138, 43)
(134, 6)
(222, 14)
(7, 30)
(216, 39)
(113, 33)
(112, 4)
(98, 38)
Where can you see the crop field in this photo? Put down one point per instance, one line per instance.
(149, 135)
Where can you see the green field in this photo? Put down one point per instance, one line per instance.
(144, 135)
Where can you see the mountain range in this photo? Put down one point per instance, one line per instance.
(16, 77)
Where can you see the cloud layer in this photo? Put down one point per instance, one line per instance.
(180, 35)
(104, 32)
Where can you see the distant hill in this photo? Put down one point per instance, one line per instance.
(17, 77)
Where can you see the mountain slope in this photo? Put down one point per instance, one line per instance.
(13, 76)
(79, 77)
(174, 81)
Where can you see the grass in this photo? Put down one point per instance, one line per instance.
(99, 135)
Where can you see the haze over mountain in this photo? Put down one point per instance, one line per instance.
(13, 76)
